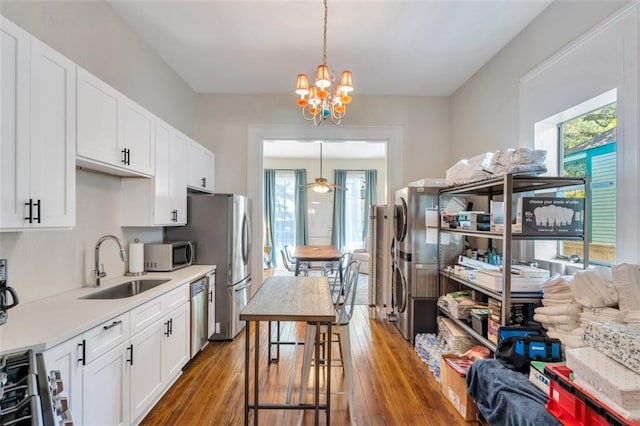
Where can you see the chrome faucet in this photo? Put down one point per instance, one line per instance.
(100, 273)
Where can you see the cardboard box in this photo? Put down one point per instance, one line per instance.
(492, 331)
(541, 216)
(453, 385)
(551, 216)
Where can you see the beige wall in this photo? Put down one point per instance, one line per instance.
(222, 122)
(484, 111)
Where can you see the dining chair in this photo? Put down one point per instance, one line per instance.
(307, 265)
(340, 326)
(336, 281)
(303, 269)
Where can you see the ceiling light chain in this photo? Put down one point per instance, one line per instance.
(322, 103)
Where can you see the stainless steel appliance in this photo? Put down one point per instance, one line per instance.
(220, 227)
(415, 272)
(168, 256)
(29, 395)
(199, 308)
(8, 296)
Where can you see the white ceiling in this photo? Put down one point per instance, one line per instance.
(393, 47)
(311, 149)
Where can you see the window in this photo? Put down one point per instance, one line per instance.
(354, 210)
(582, 141)
(284, 229)
(588, 144)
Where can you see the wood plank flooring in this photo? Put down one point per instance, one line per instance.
(392, 385)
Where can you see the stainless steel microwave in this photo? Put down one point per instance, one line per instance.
(168, 256)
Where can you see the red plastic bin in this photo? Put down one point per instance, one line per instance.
(573, 406)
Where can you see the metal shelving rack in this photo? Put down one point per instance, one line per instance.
(506, 186)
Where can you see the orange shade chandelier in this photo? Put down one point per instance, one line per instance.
(320, 101)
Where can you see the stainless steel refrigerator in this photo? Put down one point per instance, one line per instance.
(220, 226)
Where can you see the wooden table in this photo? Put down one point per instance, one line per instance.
(315, 254)
(306, 299)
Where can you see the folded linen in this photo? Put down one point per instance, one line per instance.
(570, 339)
(570, 309)
(591, 288)
(605, 314)
(626, 279)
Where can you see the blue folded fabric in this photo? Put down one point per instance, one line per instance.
(506, 397)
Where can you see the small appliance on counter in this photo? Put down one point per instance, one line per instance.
(8, 296)
(168, 256)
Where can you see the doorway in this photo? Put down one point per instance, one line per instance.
(257, 134)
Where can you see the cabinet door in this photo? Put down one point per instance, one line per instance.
(162, 197)
(178, 178)
(106, 389)
(53, 136)
(14, 128)
(146, 369)
(200, 167)
(211, 329)
(66, 358)
(175, 347)
(136, 134)
(97, 120)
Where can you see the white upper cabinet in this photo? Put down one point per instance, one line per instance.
(37, 173)
(115, 135)
(161, 201)
(200, 167)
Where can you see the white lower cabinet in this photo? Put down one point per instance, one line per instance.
(105, 384)
(176, 344)
(115, 372)
(145, 378)
(67, 359)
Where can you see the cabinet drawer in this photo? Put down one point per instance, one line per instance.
(176, 297)
(145, 315)
(106, 336)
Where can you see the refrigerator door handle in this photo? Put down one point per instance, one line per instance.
(242, 285)
(246, 240)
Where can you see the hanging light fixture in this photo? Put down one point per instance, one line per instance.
(319, 102)
(320, 184)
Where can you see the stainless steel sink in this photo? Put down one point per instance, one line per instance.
(128, 289)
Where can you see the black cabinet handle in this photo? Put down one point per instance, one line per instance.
(130, 350)
(128, 157)
(211, 296)
(30, 204)
(83, 358)
(174, 215)
(170, 326)
(124, 156)
(204, 182)
(38, 205)
(113, 324)
(167, 333)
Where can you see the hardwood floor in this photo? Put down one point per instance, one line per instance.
(392, 385)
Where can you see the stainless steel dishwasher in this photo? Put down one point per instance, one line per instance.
(199, 291)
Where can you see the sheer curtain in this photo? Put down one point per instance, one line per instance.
(370, 196)
(302, 233)
(338, 236)
(269, 214)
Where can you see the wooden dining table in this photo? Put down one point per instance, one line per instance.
(315, 254)
(305, 299)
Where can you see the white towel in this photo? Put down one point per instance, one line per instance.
(591, 288)
(626, 279)
(604, 314)
(570, 309)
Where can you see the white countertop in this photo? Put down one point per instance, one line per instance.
(42, 324)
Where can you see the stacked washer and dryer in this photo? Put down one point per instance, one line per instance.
(415, 260)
